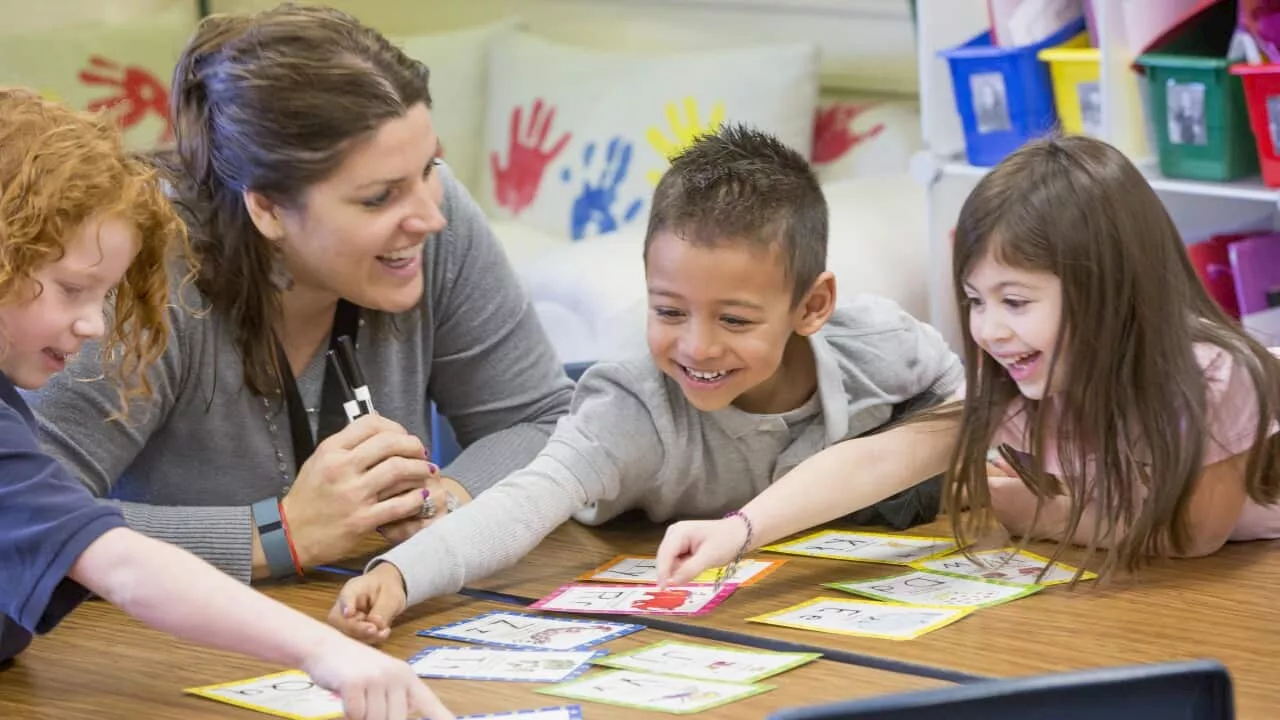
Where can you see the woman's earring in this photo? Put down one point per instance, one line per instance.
(280, 276)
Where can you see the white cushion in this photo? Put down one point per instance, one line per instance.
(459, 64)
(603, 123)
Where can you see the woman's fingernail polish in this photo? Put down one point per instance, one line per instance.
(425, 493)
(433, 468)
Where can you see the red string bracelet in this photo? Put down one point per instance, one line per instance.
(288, 536)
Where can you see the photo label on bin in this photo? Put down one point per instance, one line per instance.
(990, 102)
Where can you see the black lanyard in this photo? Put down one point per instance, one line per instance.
(346, 321)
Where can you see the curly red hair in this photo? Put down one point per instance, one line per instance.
(60, 168)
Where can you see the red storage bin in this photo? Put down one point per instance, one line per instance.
(1212, 261)
(1262, 95)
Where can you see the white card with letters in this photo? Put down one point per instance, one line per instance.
(660, 693)
(923, 587)
(510, 664)
(866, 618)
(502, 628)
(1005, 565)
(564, 712)
(706, 662)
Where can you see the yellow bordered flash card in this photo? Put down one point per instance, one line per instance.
(866, 546)
(1005, 565)
(644, 571)
(864, 618)
(290, 694)
(927, 587)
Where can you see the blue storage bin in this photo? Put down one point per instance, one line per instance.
(1004, 94)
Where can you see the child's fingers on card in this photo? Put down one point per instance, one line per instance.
(675, 545)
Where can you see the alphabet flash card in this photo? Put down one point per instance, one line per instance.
(634, 599)
(662, 693)
(706, 662)
(503, 628)
(1007, 565)
(291, 694)
(638, 569)
(865, 618)
(923, 587)
(866, 546)
(512, 664)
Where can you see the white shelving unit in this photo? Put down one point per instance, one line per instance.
(1198, 208)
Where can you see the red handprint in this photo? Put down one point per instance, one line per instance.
(516, 185)
(832, 136)
(138, 93)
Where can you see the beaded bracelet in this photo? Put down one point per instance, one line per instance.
(731, 569)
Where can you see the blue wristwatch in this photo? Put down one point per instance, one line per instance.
(275, 545)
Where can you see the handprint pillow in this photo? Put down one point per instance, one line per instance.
(122, 69)
(864, 136)
(576, 139)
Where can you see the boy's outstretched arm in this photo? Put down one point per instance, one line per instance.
(837, 481)
(176, 592)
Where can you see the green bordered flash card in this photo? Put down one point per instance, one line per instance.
(1005, 565)
(866, 547)
(290, 694)
(660, 693)
(864, 618)
(925, 587)
(706, 662)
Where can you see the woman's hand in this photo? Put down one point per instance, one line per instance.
(370, 474)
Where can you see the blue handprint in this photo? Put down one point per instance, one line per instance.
(593, 209)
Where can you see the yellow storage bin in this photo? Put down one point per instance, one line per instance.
(1077, 90)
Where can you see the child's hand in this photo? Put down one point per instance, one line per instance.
(691, 547)
(372, 685)
(367, 604)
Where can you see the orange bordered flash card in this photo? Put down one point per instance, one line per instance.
(644, 571)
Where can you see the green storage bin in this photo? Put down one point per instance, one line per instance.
(1197, 106)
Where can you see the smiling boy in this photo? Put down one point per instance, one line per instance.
(752, 368)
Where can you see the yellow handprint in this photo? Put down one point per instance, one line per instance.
(685, 130)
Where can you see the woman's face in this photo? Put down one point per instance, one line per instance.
(360, 234)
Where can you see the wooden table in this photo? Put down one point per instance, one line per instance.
(1218, 607)
(102, 664)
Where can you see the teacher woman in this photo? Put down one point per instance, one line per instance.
(308, 170)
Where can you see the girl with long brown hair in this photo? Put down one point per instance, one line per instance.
(1134, 415)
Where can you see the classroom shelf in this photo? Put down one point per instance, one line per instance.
(1250, 189)
(1198, 208)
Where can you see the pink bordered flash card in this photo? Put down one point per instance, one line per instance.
(634, 599)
